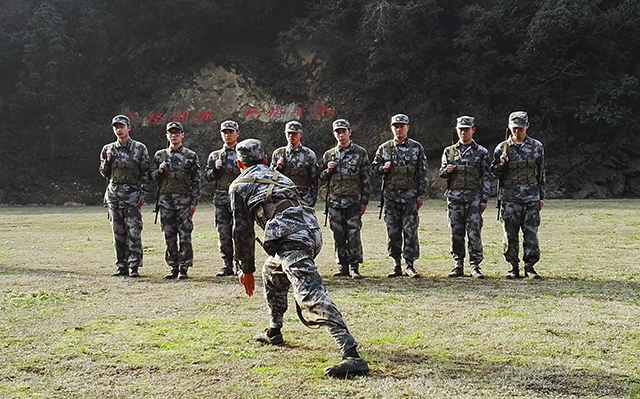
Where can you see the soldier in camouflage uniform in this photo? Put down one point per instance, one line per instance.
(403, 165)
(298, 162)
(176, 170)
(292, 238)
(346, 169)
(125, 163)
(520, 165)
(466, 167)
(222, 169)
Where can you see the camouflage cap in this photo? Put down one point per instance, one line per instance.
(465, 121)
(340, 124)
(229, 125)
(123, 119)
(250, 150)
(293, 127)
(399, 118)
(518, 119)
(176, 125)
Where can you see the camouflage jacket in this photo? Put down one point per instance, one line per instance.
(223, 175)
(409, 153)
(246, 197)
(530, 150)
(184, 160)
(352, 160)
(301, 157)
(472, 155)
(124, 195)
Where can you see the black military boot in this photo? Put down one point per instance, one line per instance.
(514, 273)
(355, 272)
(182, 273)
(411, 271)
(348, 367)
(457, 271)
(475, 272)
(227, 269)
(133, 271)
(172, 274)
(342, 272)
(122, 271)
(397, 269)
(531, 273)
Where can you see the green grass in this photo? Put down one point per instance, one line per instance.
(69, 330)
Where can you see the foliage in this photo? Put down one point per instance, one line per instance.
(68, 65)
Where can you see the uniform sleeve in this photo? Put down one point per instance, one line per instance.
(444, 161)
(194, 177)
(422, 172)
(312, 196)
(542, 173)
(365, 178)
(274, 159)
(243, 232)
(496, 168)
(485, 178)
(145, 172)
(379, 160)
(105, 167)
(210, 169)
(155, 164)
(324, 176)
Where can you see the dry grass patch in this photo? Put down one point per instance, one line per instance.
(69, 330)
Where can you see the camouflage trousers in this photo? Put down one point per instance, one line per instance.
(465, 219)
(126, 224)
(515, 217)
(346, 224)
(223, 220)
(177, 223)
(402, 221)
(293, 265)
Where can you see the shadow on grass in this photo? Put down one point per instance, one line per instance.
(611, 290)
(455, 371)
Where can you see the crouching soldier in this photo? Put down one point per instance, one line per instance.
(292, 238)
(177, 173)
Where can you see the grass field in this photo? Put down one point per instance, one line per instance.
(70, 330)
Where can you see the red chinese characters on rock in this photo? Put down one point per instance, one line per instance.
(180, 116)
(155, 118)
(204, 116)
(323, 110)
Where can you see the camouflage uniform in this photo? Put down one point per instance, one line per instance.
(522, 187)
(468, 186)
(128, 175)
(301, 166)
(349, 187)
(405, 182)
(179, 188)
(292, 238)
(222, 213)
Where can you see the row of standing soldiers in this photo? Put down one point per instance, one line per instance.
(518, 163)
(280, 200)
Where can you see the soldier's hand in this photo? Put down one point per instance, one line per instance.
(140, 203)
(192, 210)
(162, 167)
(218, 163)
(280, 164)
(420, 202)
(541, 204)
(504, 158)
(483, 206)
(109, 155)
(386, 166)
(363, 209)
(450, 168)
(331, 166)
(247, 281)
